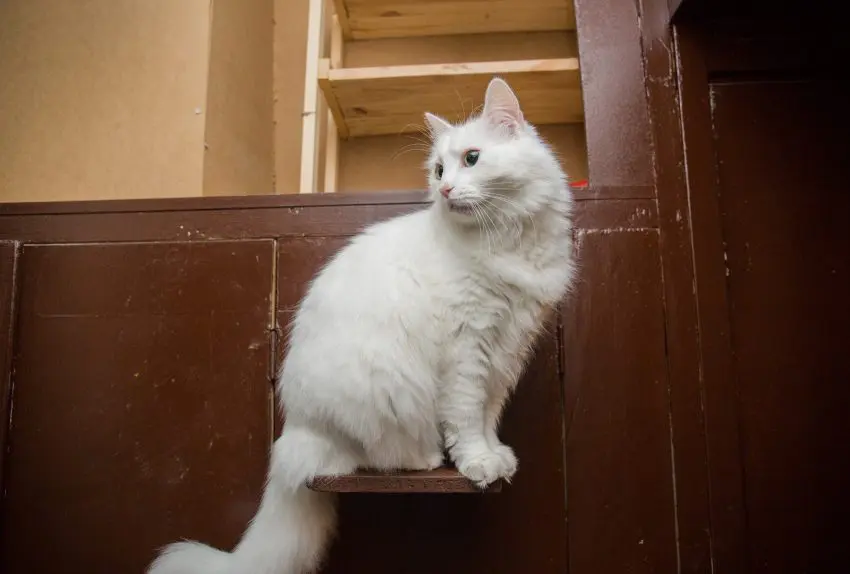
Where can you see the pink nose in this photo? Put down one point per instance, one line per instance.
(445, 191)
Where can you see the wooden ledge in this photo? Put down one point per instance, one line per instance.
(439, 481)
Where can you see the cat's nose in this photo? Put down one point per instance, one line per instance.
(445, 191)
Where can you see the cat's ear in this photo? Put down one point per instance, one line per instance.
(501, 106)
(437, 125)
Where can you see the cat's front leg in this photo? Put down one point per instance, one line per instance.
(463, 413)
(496, 397)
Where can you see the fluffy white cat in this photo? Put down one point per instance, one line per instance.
(411, 338)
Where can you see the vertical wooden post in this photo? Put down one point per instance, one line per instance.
(309, 115)
(332, 137)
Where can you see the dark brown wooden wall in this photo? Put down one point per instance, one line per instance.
(684, 415)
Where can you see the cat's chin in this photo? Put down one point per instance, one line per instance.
(462, 209)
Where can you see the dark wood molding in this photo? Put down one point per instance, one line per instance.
(718, 387)
(688, 433)
(8, 298)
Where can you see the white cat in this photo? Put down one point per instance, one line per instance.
(411, 338)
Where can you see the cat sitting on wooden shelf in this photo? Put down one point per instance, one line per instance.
(411, 338)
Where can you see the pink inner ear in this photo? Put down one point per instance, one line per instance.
(505, 116)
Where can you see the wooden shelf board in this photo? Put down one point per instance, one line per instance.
(371, 19)
(440, 481)
(392, 100)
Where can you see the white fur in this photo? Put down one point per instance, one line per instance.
(412, 337)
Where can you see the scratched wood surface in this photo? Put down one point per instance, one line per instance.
(141, 401)
(8, 260)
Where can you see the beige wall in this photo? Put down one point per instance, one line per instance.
(98, 98)
(239, 137)
(107, 99)
(290, 52)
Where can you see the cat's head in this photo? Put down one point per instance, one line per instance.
(493, 163)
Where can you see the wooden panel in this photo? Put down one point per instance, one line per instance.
(391, 100)
(398, 18)
(619, 476)
(8, 263)
(787, 279)
(142, 402)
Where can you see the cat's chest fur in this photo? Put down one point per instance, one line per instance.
(507, 292)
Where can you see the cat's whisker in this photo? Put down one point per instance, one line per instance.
(523, 210)
(495, 231)
(476, 209)
(409, 148)
(504, 217)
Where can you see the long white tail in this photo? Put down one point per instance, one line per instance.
(291, 530)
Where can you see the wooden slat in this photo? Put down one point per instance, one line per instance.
(369, 19)
(440, 481)
(341, 13)
(332, 135)
(310, 127)
(391, 100)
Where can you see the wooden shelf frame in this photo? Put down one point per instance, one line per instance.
(342, 103)
(374, 19)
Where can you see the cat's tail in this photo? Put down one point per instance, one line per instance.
(294, 524)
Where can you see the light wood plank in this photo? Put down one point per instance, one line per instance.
(310, 121)
(341, 12)
(369, 19)
(332, 135)
(392, 100)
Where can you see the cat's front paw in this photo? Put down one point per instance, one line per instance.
(484, 468)
(509, 459)
(434, 460)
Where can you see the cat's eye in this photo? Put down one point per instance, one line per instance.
(471, 157)
(438, 171)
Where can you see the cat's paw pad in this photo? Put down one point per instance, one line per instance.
(483, 469)
(509, 459)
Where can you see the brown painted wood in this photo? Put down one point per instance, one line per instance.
(720, 403)
(680, 311)
(439, 481)
(619, 147)
(242, 218)
(616, 214)
(8, 292)
(787, 280)
(771, 268)
(141, 402)
(619, 475)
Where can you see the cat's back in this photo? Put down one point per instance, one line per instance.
(379, 271)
